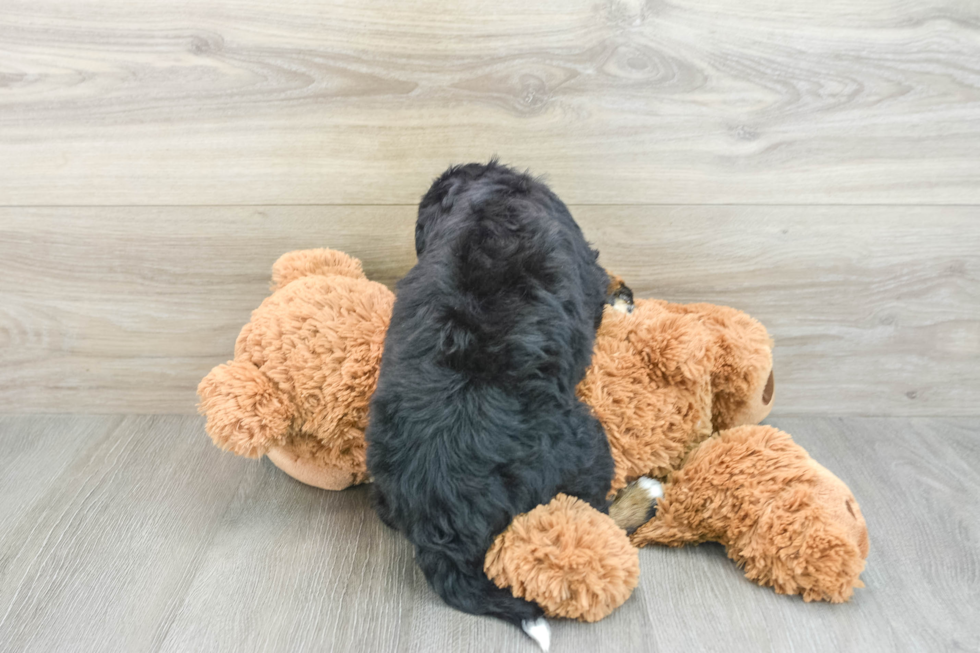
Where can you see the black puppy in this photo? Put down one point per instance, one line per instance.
(475, 418)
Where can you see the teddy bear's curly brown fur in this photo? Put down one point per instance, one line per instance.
(304, 371)
(785, 519)
(668, 382)
(548, 555)
(666, 376)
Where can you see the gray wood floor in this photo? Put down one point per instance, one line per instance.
(129, 533)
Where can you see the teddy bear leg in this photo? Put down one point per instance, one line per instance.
(567, 557)
(246, 412)
(811, 538)
(786, 520)
(798, 547)
(678, 520)
(293, 459)
(669, 525)
(306, 262)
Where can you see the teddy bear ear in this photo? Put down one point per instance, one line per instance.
(246, 412)
(306, 262)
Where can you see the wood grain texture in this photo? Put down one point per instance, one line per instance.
(101, 555)
(149, 539)
(875, 310)
(618, 101)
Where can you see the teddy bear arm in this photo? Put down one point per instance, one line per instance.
(246, 412)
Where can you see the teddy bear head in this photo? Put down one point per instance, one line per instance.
(304, 370)
(666, 376)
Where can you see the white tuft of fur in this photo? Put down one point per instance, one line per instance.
(539, 631)
(653, 487)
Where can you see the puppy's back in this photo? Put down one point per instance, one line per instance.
(490, 333)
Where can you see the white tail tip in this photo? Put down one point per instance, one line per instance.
(539, 631)
(652, 487)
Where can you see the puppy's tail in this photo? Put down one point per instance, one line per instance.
(468, 589)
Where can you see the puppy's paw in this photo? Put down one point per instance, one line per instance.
(539, 631)
(636, 504)
(619, 295)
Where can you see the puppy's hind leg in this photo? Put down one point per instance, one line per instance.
(618, 294)
(636, 504)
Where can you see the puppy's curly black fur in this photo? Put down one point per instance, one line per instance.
(475, 418)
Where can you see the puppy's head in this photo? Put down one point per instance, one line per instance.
(440, 198)
(475, 182)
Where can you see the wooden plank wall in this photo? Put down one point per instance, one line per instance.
(816, 164)
(123, 310)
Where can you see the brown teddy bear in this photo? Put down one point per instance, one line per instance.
(677, 389)
(304, 371)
